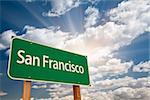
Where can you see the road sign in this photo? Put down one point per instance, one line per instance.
(36, 62)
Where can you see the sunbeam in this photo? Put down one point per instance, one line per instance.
(39, 18)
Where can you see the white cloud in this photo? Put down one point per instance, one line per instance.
(97, 42)
(57, 91)
(126, 93)
(60, 7)
(133, 14)
(105, 38)
(2, 93)
(39, 86)
(5, 39)
(142, 67)
(125, 88)
(92, 16)
(111, 67)
(101, 39)
(46, 36)
(111, 84)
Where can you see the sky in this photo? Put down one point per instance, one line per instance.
(114, 34)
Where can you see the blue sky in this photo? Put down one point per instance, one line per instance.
(114, 34)
(31, 14)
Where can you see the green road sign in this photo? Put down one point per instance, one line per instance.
(35, 62)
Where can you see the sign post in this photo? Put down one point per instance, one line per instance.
(76, 92)
(26, 90)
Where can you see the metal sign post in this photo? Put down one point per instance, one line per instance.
(26, 90)
(76, 92)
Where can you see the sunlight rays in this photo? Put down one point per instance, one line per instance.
(35, 15)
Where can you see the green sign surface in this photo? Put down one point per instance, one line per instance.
(35, 62)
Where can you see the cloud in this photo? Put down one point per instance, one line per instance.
(39, 86)
(123, 93)
(57, 91)
(101, 39)
(99, 42)
(5, 39)
(60, 7)
(118, 89)
(111, 67)
(2, 93)
(125, 88)
(126, 93)
(132, 16)
(92, 16)
(142, 67)
(112, 84)
(47, 36)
